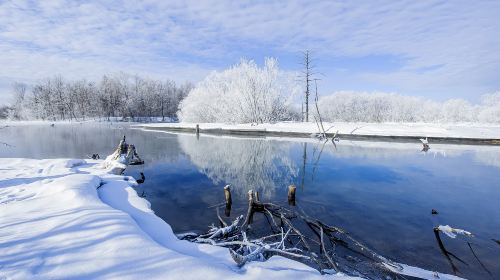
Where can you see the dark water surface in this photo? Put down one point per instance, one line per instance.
(382, 193)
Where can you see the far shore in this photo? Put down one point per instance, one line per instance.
(465, 133)
(453, 133)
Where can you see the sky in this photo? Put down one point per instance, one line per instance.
(435, 49)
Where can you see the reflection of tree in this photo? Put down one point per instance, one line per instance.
(246, 164)
(80, 140)
(304, 161)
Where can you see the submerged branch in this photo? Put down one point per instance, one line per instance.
(288, 240)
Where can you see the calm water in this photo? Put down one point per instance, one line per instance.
(382, 193)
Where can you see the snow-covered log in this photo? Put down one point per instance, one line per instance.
(124, 155)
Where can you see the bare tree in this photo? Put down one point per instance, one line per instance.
(120, 95)
(307, 76)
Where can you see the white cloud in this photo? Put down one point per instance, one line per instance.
(443, 45)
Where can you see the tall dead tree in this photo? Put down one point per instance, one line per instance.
(307, 76)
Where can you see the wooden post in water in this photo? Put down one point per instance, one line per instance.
(250, 196)
(229, 201)
(291, 194)
(197, 129)
(250, 207)
(227, 195)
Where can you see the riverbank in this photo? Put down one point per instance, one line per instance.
(65, 218)
(446, 133)
(479, 134)
(70, 219)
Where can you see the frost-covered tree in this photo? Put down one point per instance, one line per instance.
(244, 93)
(490, 108)
(119, 95)
(389, 107)
(458, 110)
(18, 110)
(4, 111)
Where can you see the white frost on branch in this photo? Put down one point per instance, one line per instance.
(452, 232)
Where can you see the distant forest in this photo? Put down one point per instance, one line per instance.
(121, 95)
(244, 93)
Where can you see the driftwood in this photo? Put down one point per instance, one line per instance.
(124, 155)
(327, 248)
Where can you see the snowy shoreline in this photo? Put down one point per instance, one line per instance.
(474, 133)
(65, 218)
(418, 129)
(70, 219)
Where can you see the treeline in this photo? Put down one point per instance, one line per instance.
(247, 93)
(122, 95)
(388, 107)
(244, 93)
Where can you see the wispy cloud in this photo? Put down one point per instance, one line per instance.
(447, 47)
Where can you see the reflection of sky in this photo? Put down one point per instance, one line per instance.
(382, 193)
(386, 201)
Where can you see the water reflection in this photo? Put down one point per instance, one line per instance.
(246, 164)
(382, 193)
(69, 140)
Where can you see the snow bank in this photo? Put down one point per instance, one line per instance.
(71, 219)
(465, 130)
(61, 220)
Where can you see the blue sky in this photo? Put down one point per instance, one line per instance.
(435, 49)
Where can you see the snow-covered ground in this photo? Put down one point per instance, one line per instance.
(63, 218)
(56, 222)
(458, 130)
(465, 130)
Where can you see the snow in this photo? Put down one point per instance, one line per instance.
(243, 93)
(452, 232)
(70, 219)
(114, 166)
(464, 130)
(424, 274)
(63, 218)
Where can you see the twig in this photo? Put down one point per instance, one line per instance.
(223, 223)
(332, 263)
(357, 128)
